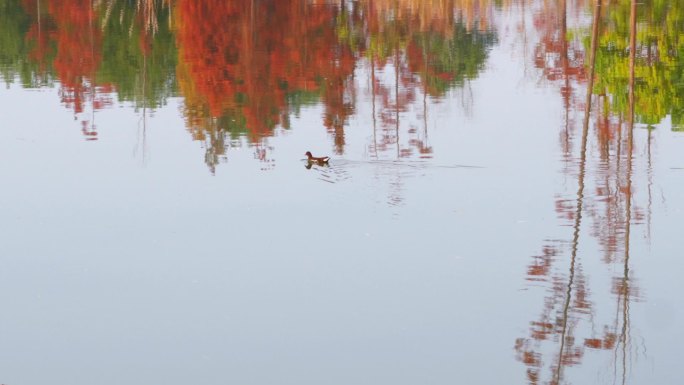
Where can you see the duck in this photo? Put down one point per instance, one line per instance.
(319, 160)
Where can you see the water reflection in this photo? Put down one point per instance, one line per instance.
(244, 68)
(604, 206)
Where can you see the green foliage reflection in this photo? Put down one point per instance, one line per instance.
(659, 71)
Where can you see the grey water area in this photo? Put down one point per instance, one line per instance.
(127, 260)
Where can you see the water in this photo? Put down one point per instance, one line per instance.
(160, 223)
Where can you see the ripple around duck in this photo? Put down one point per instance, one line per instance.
(330, 173)
(421, 164)
(341, 170)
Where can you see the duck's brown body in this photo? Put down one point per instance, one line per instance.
(311, 158)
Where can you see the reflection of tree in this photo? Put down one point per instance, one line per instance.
(659, 86)
(249, 64)
(414, 53)
(25, 51)
(445, 62)
(561, 59)
(567, 320)
(141, 56)
(338, 96)
(77, 59)
(430, 49)
(244, 67)
(435, 15)
(90, 52)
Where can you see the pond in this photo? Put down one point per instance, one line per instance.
(502, 203)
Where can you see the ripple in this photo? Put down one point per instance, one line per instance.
(329, 173)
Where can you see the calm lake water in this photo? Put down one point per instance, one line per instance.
(503, 203)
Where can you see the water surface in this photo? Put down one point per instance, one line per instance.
(481, 220)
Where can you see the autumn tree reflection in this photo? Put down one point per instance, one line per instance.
(141, 54)
(245, 66)
(91, 49)
(430, 47)
(26, 53)
(412, 54)
(77, 59)
(561, 59)
(659, 89)
(602, 210)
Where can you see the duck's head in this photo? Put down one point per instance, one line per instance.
(308, 153)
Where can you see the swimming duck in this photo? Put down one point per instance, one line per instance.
(319, 160)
